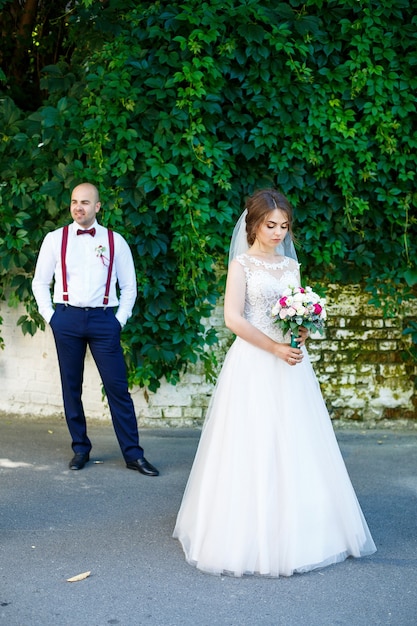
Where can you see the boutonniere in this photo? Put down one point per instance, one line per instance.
(100, 250)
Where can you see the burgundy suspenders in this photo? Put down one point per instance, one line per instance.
(64, 266)
(63, 263)
(111, 248)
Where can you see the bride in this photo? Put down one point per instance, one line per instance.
(268, 492)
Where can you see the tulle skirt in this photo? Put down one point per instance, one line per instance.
(268, 492)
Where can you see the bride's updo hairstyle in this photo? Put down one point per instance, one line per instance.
(259, 205)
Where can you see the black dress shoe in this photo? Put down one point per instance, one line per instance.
(143, 466)
(79, 460)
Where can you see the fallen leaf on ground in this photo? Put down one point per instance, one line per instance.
(75, 579)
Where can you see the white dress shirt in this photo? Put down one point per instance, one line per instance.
(87, 261)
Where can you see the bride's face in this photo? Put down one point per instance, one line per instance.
(273, 229)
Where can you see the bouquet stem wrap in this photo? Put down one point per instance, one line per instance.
(294, 343)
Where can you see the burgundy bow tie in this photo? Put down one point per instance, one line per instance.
(91, 232)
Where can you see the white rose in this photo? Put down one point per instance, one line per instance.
(301, 309)
(299, 297)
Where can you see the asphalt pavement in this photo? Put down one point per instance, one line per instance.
(117, 524)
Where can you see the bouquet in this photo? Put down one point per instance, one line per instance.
(299, 306)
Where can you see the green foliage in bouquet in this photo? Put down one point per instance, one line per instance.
(177, 111)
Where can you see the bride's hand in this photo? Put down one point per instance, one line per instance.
(290, 355)
(302, 335)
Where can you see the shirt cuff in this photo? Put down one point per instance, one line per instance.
(121, 320)
(47, 315)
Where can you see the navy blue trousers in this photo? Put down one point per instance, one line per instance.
(74, 329)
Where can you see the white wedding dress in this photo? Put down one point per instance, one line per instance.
(268, 492)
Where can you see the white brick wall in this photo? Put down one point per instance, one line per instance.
(31, 385)
(359, 363)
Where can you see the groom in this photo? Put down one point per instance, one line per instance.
(87, 260)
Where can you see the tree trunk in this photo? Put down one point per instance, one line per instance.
(23, 43)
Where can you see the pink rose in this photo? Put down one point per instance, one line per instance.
(318, 308)
(283, 301)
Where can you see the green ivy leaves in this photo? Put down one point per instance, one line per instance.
(178, 111)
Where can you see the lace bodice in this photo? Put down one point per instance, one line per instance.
(264, 284)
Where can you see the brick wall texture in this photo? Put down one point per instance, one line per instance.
(363, 363)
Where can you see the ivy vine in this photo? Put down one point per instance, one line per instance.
(179, 111)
